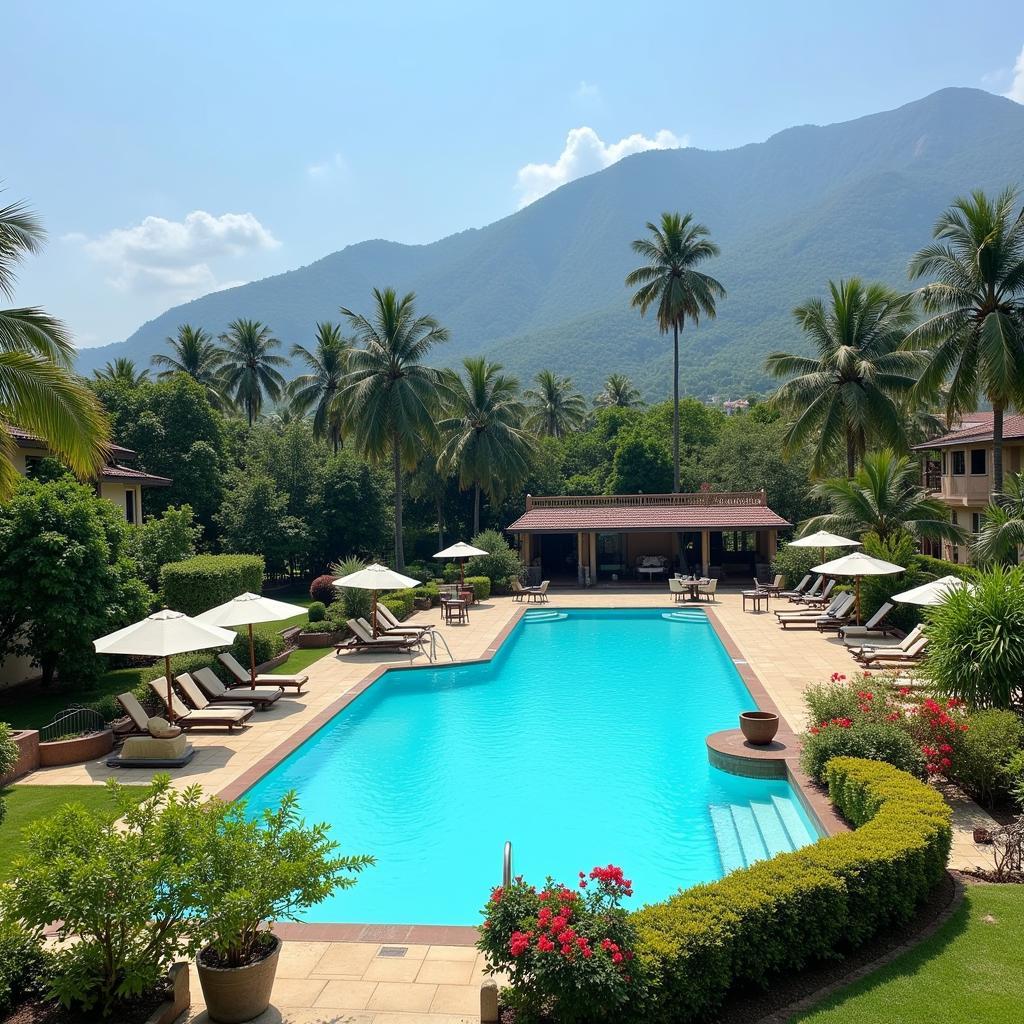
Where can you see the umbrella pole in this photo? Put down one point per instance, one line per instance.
(170, 694)
(252, 660)
(858, 600)
(375, 613)
(462, 573)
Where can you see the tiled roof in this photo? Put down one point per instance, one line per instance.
(976, 427)
(27, 439)
(122, 474)
(612, 519)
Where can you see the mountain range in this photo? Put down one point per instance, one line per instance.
(543, 288)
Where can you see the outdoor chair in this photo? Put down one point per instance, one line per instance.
(362, 639)
(261, 698)
(676, 588)
(230, 662)
(838, 611)
(892, 656)
(156, 744)
(198, 699)
(518, 591)
(821, 598)
(772, 588)
(809, 613)
(893, 645)
(837, 620)
(189, 718)
(873, 627)
(539, 594)
(798, 590)
(707, 589)
(388, 623)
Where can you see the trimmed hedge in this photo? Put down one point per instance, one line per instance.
(481, 587)
(198, 584)
(797, 908)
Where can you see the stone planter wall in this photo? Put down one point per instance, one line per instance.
(27, 741)
(269, 666)
(77, 750)
(318, 639)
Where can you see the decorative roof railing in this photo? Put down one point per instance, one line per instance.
(745, 499)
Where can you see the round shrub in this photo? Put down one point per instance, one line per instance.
(795, 563)
(500, 562)
(198, 584)
(481, 587)
(23, 965)
(984, 752)
(317, 611)
(323, 590)
(874, 741)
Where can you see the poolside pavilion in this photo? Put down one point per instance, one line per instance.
(647, 537)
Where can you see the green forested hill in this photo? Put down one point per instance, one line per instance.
(543, 287)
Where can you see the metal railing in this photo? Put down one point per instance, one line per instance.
(743, 499)
(73, 721)
(506, 865)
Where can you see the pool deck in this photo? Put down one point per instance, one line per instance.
(437, 980)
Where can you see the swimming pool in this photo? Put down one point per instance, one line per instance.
(582, 742)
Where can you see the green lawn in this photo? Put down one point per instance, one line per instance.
(27, 804)
(300, 659)
(969, 971)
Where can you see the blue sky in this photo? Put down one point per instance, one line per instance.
(174, 148)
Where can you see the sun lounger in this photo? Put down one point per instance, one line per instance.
(261, 698)
(889, 645)
(798, 590)
(895, 656)
(200, 698)
(809, 613)
(390, 625)
(362, 639)
(229, 661)
(156, 744)
(840, 609)
(838, 618)
(872, 628)
(189, 718)
(820, 599)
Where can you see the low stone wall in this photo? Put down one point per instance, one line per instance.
(27, 741)
(77, 750)
(318, 639)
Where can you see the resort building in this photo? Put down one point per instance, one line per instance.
(958, 471)
(647, 537)
(119, 483)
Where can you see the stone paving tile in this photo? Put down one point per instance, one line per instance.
(398, 995)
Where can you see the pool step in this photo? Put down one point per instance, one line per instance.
(544, 616)
(754, 831)
(685, 616)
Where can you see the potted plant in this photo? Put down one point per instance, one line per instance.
(255, 871)
(759, 727)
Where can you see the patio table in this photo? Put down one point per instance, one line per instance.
(755, 597)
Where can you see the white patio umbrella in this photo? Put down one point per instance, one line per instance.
(858, 565)
(162, 634)
(376, 578)
(933, 593)
(823, 539)
(461, 552)
(246, 610)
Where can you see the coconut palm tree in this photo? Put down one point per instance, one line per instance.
(851, 390)
(618, 391)
(975, 333)
(483, 436)
(38, 390)
(885, 496)
(391, 396)
(250, 365)
(123, 370)
(196, 354)
(669, 280)
(1001, 537)
(553, 406)
(318, 389)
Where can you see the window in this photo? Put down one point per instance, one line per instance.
(952, 518)
(975, 522)
(959, 464)
(978, 462)
(129, 506)
(944, 464)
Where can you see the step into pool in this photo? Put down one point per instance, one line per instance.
(582, 742)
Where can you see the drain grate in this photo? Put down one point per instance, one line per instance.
(393, 951)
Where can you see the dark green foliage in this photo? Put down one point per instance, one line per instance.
(317, 611)
(9, 754)
(481, 587)
(877, 741)
(401, 602)
(254, 519)
(796, 909)
(795, 563)
(641, 463)
(500, 564)
(983, 753)
(169, 537)
(23, 965)
(65, 576)
(203, 582)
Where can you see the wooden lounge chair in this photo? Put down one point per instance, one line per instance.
(839, 611)
(213, 691)
(808, 613)
(819, 599)
(893, 656)
(874, 627)
(839, 618)
(889, 645)
(798, 590)
(362, 639)
(772, 588)
(189, 718)
(389, 624)
(230, 662)
(154, 744)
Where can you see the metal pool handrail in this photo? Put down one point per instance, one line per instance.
(506, 866)
(434, 637)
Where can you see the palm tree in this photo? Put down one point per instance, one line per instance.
(319, 389)
(1002, 525)
(975, 336)
(669, 280)
(123, 370)
(38, 390)
(392, 397)
(884, 497)
(618, 391)
(249, 368)
(851, 390)
(196, 354)
(554, 407)
(484, 439)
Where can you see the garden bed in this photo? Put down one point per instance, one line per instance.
(306, 640)
(76, 749)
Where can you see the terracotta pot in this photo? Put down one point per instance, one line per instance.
(759, 727)
(237, 994)
(982, 835)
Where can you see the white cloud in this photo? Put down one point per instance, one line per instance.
(335, 166)
(587, 91)
(167, 255)
(1016, 91)
(585, 153)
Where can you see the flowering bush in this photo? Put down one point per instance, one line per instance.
(567, 952)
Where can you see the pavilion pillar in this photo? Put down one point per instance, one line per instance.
(524, 548)
(581, 558)
(593, 557)
(773, 544)
(705, 552)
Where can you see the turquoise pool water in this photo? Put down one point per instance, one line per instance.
(582, 742)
